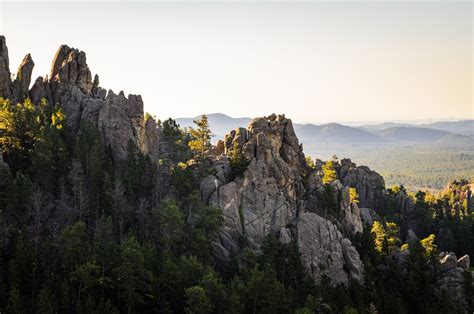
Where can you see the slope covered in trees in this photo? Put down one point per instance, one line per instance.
(109, 212)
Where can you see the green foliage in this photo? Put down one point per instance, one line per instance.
(417, 167)
(354, 196)
(32, 138)
(429, 245)
(328, 201)
(238, 163)
(200, 136)
(386, 237)
(132, 275)
(171, 225)
(139, 174)
(329, 172)
(82, 232)
(196, 301)
(310, 162)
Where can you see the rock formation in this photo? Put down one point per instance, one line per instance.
(369, 184)
(21, 84)
(452, 278)
(270, 197)
(5, 76)
(120, 119)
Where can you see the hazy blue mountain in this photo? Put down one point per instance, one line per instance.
(420, 135)
(387, 133)
(382, 126)
(334, 133)
(465, 127)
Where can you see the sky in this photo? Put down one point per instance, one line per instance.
(313, 61)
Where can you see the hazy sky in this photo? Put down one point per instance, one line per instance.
(314, 61)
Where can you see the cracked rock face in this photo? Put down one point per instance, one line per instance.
(270, 198)
(325, 251)
(369, 184)
(451, 280)
(21, 84)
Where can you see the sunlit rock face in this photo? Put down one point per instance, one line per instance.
(270, 197)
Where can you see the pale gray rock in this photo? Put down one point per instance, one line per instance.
(349, 215)
(285, 236)
(325, 252)
(368, 216)
(120, 122)
(464, 262)
(411, 238)
(369, 184)
(208, 186)
(271, 198)
(149, 140)
(451, 280)
(448, 262)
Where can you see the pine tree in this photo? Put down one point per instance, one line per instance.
(201, 136)
(329, 172)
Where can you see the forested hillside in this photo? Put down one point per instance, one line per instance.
(105, 209)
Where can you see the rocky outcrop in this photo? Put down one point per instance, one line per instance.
(21, 84)
(369, 184)
(270, 197)
(324, 250)
(120, 119)
(451, 280)
(464, 262)
(40, 90)
(5, 76)
(150, 139)
(349, 213)
(368, 216)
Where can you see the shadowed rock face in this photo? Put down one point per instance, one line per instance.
(5, 76)
(120, 119)
(451, 280)
(23, 79)
(270, 197)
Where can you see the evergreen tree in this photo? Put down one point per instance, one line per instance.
(201, 136)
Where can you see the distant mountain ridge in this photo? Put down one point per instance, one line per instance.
(387, 133)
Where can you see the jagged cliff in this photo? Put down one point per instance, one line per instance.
(272, 197)
(70, 84)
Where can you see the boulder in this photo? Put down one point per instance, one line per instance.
(411, 237)
(325, 252)
(448, 262)
(464, 262)
(368, 216)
